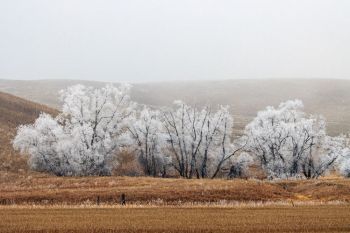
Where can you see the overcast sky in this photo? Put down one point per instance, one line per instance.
(164, 40)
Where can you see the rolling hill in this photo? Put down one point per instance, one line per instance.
(328, 97)
(15, 111)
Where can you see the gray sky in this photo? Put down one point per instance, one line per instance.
(164, 40)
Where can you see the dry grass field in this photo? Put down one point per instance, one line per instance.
(40, 188)
(328, 218)
(34, 202)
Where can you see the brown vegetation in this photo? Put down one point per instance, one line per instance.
(329, 218)
(44, 189)
(127, 164)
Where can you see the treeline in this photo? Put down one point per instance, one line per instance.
(97, 126)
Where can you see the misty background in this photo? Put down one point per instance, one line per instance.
(138, 41)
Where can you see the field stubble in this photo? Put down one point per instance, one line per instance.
(317, 218)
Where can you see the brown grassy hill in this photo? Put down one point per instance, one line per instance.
(329, 97)
(15, 111)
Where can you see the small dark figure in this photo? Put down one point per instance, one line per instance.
(98, 200)
(122, 199)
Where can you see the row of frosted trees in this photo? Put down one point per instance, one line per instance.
(95, 125)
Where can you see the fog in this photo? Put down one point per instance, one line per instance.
(138, 41)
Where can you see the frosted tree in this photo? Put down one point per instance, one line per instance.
(218, 150)
(147, 139)
(325, 154)
(345, 168)
(83, 139)
(44, 142)
(288, 143)
(343, 163)
(199, 139)
(184, 127)
(95, 119)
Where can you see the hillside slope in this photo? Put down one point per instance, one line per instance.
(329, 97)
(15, 111)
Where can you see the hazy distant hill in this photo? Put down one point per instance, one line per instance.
(41, 91)
(330, 98)
(15, 111)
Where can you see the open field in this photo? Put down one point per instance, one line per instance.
(328, 218)
(44, 189)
